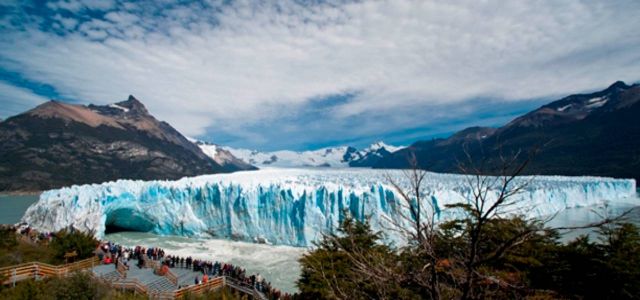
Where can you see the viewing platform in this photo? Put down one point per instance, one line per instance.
(174, 283)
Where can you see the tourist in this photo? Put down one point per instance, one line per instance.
(258, 281)
(208, 268)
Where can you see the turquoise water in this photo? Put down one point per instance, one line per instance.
(12, 207)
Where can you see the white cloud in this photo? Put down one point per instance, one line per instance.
(198, 68)
(67, 23)
(122, 18)
(15, 99)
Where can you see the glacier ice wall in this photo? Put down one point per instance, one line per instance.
(287, 206)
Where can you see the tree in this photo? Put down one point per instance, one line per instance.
(331, 270)
(488, 199)
(69, 240)
(608, 268)
(421, 232)
(492, 251)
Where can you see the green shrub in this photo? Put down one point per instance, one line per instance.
(68, 240)
(8, 238)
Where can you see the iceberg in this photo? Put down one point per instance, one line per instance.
(290, 206)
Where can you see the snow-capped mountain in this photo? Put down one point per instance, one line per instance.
(343, 156)
(222, 156)
(584, 134)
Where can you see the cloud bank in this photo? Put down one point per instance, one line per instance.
(292, 74)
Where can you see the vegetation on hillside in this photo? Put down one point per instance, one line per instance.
(541, 267)
(21, 248)
(487, 252)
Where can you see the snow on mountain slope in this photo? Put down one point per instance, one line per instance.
(222, 156)
(328, 157)
(288, 206)
(343, 156)
(381, 145)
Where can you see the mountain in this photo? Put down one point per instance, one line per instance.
(58, 144)
(584, 134)
(343, 156)
(370, 156)
(223, 157)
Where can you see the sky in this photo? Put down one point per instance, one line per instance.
(300, 75)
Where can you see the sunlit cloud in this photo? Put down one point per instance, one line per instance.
(249, 72)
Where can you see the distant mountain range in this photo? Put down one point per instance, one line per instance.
(58, 144)
(586, 134)
(222, 156)
(343, 156)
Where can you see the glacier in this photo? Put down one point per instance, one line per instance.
(290, 206)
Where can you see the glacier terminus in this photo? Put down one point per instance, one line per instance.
(289, 206)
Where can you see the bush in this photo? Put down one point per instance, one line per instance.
(328, 272)
(78, 286)
(540, 267)
(16, 251)
(8, 238)
(68, 240)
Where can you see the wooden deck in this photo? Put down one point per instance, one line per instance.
(174, 284)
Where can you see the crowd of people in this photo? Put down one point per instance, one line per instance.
(30, 234)
(109, 252)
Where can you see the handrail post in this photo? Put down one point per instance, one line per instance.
(14, 277)
(36, 272)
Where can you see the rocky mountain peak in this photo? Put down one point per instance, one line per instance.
(134, 105)
(58, 144)
(618, 85)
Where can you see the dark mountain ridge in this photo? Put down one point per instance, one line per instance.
(586, 134)
(58, 144)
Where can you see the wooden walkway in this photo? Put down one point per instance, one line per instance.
(38, 270)
(142, 281)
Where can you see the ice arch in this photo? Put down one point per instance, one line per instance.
(128, 219)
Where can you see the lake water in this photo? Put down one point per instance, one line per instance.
(588, 215)
(279, 264)
(12, 207)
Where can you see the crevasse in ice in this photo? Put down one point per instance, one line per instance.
(290, 206)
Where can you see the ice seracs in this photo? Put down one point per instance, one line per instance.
(286, 206)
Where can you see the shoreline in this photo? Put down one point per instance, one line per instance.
(20, 193)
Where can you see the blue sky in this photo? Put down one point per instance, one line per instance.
(306, 74)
